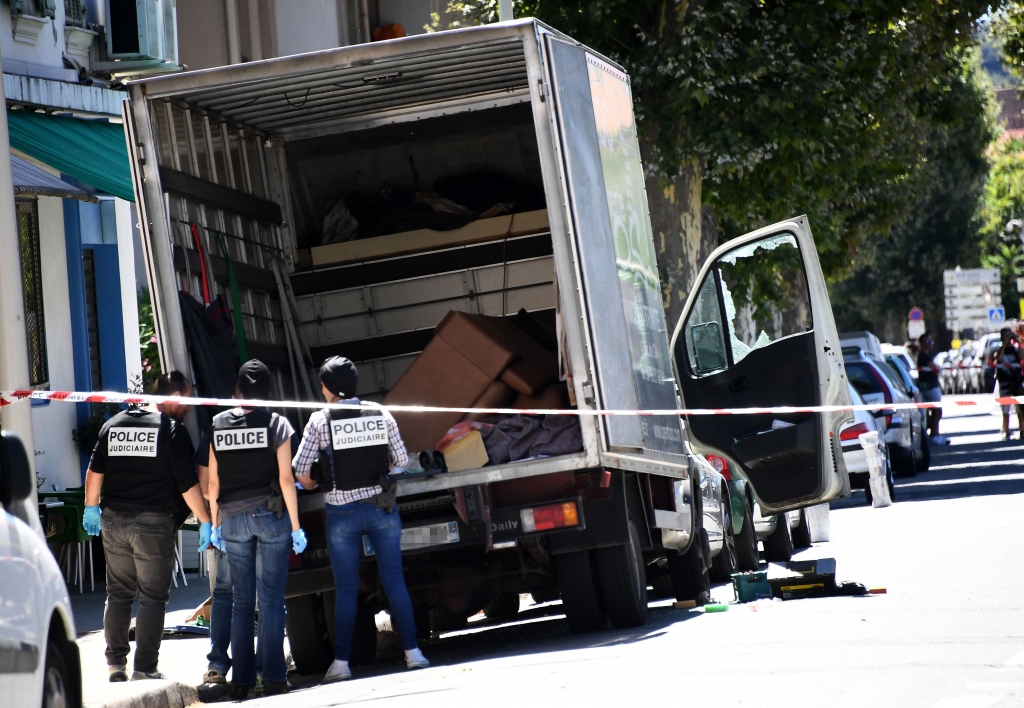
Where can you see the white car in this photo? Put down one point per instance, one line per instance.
(853, 453)
(904, 354)
(39, 661)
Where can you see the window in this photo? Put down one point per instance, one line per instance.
(705, 343)
(32, 290)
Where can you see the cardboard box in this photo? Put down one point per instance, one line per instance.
(466, 453)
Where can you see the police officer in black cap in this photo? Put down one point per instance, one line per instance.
(360, 447)
(142, 460)
(256, 522)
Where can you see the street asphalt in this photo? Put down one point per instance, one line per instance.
(948, 633)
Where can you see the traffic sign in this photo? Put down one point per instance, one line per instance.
(916, 314)
(970, 276)
(981, 312)
(996, 316)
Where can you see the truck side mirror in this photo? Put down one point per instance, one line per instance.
(708, 346)
(15, 472)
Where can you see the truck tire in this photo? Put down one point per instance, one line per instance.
(442, 620)
(689, 571)
(746, 542)
(724, 564)
(802, 533)
(307, 634)
(621, 574)
(364, 634)
(778, 547)
(502, 606)
(583, 609)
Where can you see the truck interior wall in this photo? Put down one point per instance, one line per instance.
(409, 157)
(382, 313)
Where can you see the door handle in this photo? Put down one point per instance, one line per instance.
(738, 385)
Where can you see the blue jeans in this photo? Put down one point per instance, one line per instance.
(220, 615)
(346, 526)
(252, 535)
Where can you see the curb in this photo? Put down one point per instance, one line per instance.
(160, 694)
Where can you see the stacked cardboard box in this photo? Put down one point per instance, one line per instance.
(474, 361)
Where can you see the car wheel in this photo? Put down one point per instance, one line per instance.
(802, 533)
(57, 690)
(907, 466)
(778, 547)
(925, 460)
(889, 481)
(746, 542)
(306, 626)
(724, 564)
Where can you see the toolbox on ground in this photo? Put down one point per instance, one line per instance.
(751, 586)
(812, 578)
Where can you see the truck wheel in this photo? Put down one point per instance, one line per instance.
(689, 571)
(442, 620)
(724, 564)
(620, 571)
(746, 543)
(307, 634)
(583, 610)
(364, 634)
(802, 533)
(778, 547)
(662, 586)
(502, 606)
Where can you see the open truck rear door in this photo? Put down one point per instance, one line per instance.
(758, 331)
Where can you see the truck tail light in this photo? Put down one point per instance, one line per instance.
(853, 432)
(553, 516)
(720, 465)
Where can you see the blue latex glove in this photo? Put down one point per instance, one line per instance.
(298, 541)
(91, 520)
(218, 541)
(205, 530)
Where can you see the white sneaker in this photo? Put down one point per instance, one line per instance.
(414, 659)
(339, 671)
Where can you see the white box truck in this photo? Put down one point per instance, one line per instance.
(255, 155)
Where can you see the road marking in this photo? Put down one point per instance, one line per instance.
(1015, 660)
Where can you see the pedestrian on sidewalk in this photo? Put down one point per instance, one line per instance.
(254, 505)
(141, 463)
(1008, 376)
(360, 500)
(928, 382)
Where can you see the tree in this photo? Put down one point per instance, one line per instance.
(893, 272)
(763, 109)
(1004, 200)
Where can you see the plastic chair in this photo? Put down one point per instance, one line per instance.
(73, 533)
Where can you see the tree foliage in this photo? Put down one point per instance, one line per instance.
(1004, 200)
(891, 273)
(821, 107)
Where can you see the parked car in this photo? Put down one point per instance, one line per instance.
(899, 368)
(905, 356)
(865, 341)
(905, 435)
(39, 660)
(853, 452)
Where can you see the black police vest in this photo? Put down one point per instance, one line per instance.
(359, 449)
(138, 465)
(246, 455)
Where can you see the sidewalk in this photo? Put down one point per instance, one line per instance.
(183, 660)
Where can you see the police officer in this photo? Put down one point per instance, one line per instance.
(256, 522)
(142, 460)
(360, 446)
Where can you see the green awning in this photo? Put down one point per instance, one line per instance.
(89, 150)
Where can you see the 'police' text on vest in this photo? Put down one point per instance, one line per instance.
(359, 432)
(240, 439)
(132, 442)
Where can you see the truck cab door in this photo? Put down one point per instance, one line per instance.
(758, 331)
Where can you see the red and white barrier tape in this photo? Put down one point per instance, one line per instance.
(8, 397)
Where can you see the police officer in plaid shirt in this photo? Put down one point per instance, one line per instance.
(359, 447)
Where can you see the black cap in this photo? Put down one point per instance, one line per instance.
(254, 380)
(340, 377)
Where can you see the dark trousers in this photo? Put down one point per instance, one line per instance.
(139, 549)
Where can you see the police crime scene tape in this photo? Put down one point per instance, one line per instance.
(9, 397)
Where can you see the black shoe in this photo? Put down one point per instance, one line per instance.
(276, 688)
(239, 692)
(212, 692)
